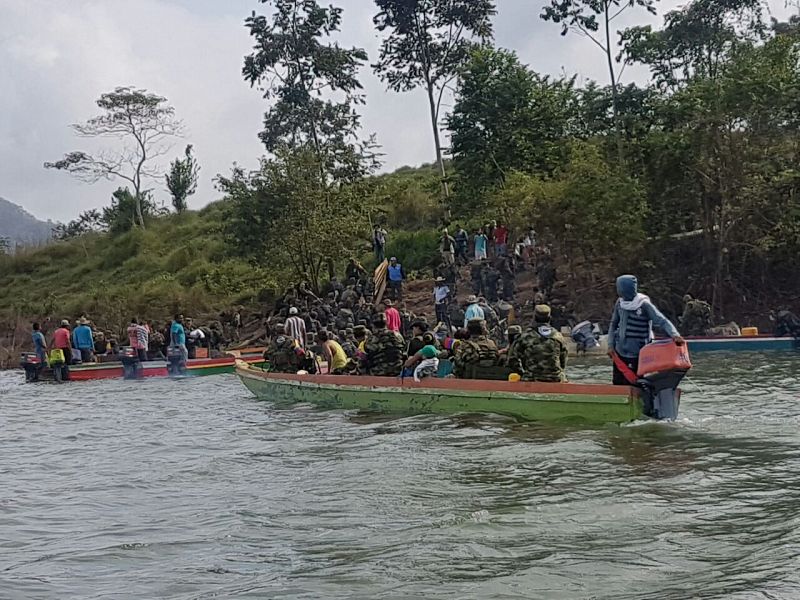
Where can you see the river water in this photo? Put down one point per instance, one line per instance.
(193, 489)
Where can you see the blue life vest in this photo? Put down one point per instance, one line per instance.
(634, 327)
(396, 272)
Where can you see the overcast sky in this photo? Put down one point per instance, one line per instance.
(58, 56)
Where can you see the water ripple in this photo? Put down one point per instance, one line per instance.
(193, 489)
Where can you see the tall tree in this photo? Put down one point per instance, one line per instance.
(282, 212)
(723, 95)
(182, 179)
(506, 118)
(594, 19)
(313, 85)
(143, 122)
(427, 43)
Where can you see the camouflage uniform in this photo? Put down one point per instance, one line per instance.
(539, 355)
(478, 351)
(282, 356)
(384, 353)
(696, 319)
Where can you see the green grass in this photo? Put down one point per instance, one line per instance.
(179, 263)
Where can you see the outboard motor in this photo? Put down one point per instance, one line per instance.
(662, 366)
(176, 362)
(131, 365)
(584, 337)
(32, 365)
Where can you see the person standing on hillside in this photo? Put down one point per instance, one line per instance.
(441, 297)
(447, 246)
(355, 270)
(395, 275)
(632, 327)
(379, 236)
(392, 317)
(489, 231)
(480, 241)
(473, 312)
(462, 245)
(296, 327)
(501, 239)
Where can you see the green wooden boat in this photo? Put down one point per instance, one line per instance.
(553, 402)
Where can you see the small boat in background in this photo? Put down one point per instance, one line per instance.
(742, 343)
(156, 368)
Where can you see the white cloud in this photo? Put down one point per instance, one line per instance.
(57, 57)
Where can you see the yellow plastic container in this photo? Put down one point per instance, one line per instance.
(749, 331)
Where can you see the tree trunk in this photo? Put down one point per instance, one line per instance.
(438, 143)
(614, 91)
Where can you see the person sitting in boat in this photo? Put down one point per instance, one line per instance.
(424, 363)
(513, 334)
(100, 344)
(383, 351)
(418, 329)
(333, 352)
(540, 354)
(696, 319)
(631, 327)
(476, 351)
(284, 353)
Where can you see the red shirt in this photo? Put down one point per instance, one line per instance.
(392, 319)
(61, 338)
(501, 235)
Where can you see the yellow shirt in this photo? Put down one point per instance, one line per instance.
(338, 355)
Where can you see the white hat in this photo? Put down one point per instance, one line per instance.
(293, 311)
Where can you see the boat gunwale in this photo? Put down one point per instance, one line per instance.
(434, 385)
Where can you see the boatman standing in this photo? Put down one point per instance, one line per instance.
(632, 327)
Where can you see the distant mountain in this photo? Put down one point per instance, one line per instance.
(21, 227)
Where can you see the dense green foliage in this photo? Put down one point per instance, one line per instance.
(182, 179)
(690, 180)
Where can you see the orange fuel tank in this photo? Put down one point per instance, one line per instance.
(663, 356)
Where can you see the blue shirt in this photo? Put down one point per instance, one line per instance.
(473, 312)
(177, 334)
(82, 338)
(39, 344)
(480, 243)
(396, 272)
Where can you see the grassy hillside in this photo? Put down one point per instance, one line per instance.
(179, 263)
